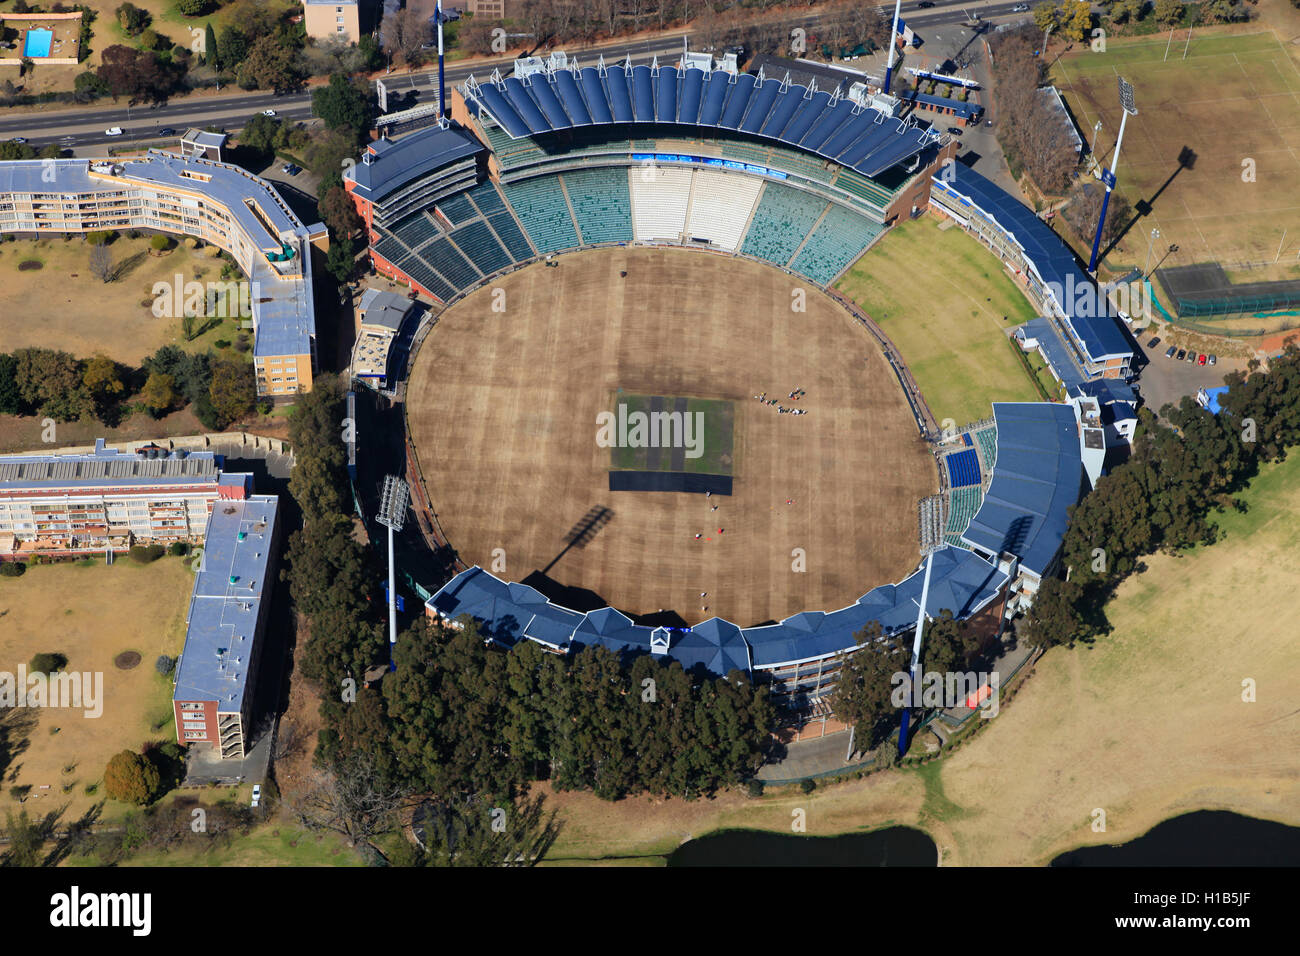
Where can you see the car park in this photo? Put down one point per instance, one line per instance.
(1169, 352)
(1182, 354)
(1154, 342)
(113, 131)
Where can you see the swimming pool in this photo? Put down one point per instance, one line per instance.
(38, 43)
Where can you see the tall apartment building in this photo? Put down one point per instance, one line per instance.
(324, 19)
(216, 677)
(216, 202)
(109, 499)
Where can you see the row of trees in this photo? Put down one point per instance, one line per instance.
(57, 385)
(1034, 137)
(1161, 499)
(1073, 19)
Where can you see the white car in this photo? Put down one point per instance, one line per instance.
(113, 131)
(268, 112)
(257, 793)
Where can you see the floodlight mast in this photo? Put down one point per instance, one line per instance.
(1125, 101)
(392, 514)
(442, 85)
(916, 654)
(893, 44)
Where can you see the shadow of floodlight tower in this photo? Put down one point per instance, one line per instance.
(918, 638)
(1108, 175)
(392, 514)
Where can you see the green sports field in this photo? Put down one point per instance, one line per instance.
(716, 436)
(1235, 103)
(947, 303)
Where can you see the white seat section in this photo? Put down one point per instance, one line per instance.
(722, 205)
(659, 198)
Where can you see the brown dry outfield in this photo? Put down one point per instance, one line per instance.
(502, 408)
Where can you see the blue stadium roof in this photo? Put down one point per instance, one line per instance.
(1037, 477)
(1106, 391)
(394, 162)
(961, 582)
(826, 124)
(1100, 336)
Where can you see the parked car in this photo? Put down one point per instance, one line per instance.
(1191, 357)
(1169, 353)
(113, 131)
(1200, 359)
(1214, 359)
(294, 169)
(1182, 354)
(285, 168)
(1154, 342)
(955, 130)
(257, 793)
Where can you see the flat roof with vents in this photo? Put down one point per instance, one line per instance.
(109, 466)
(233, 580)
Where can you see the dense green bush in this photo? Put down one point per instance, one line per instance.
(47, 663)
(144, 554)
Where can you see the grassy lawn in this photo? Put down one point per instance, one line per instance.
(91, 613)
(1146, 725)
(114, 317)
(952, 335)
(1234, 98)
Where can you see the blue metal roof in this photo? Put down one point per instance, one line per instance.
(1100, 336)
(833, 127)
(393, 163)
(966, 110)
(1037, 476)
(1107, 391)
(962, 582)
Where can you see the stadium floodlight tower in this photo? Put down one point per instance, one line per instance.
(921, 618)
(1108, 175)
(893, 45)
(442, 83)
(392, 514)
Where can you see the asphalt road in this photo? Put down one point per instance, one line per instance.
(85, 125)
